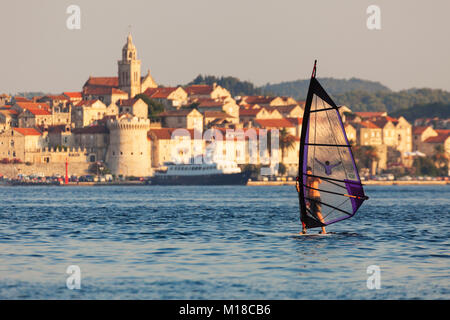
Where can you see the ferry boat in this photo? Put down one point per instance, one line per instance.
(215, 173)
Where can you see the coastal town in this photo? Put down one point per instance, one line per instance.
(108, 131)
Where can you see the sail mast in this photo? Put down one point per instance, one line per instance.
(302, 161)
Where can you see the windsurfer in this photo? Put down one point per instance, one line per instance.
(314, 201)
(327, 166)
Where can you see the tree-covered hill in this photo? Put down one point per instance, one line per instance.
(232, 84)
(357, 94)
(431, 110)
(391, 101)
(299, 88)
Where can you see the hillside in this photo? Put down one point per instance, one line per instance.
(299, 88)
(391, 101)
(431, 110)
(232, 84)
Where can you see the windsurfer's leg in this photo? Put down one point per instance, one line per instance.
(319, 215)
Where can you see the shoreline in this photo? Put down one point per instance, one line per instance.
(368, 182)
(250, 183)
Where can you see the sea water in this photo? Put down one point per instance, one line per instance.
(233, 242)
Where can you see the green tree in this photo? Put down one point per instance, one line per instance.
(287, 141)
(424, 166)
(154, 107)
(365, 156)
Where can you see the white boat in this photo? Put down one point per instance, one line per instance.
(192, 173)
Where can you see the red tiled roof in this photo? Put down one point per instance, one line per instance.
(86, 102)
(274, 123)
(443, 131)
(33, 105)
(166, 133)
(159, 93)
(394, 120)
(197, 89)
(249, 112)
(39, 112)
(102, 82)
(295, 121)
(285, 109)
(440, 138)
(257, 99)
(368, 124)
(127, 102)
(21, 99)
(73, 95)
(210, 103)
(216, 114)
(419, 130)
(54, 97)
(28, 131)
(102, 91)
(10, 111)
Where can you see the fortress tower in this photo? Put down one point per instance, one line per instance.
(129, 69)
(129, 148)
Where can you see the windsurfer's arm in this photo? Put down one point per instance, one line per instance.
(335, 165)
(323, 165)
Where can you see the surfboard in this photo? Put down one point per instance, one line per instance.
(290, 234)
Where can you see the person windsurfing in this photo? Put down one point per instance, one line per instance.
(314, 200)
(327, 166)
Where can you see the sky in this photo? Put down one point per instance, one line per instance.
(256, 40)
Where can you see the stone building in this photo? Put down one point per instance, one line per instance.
(8, 119)
(368, 134)
(136, 107)
(420, 134)
(30, 118)
(170, 97)
(183, 118)
(204, 91)
(174, 144)
(129, 149)
(94, 139)
(86, 112)
(227, 105)
(126, 85)
(19, 143)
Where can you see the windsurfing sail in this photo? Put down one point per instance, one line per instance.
(329, 186)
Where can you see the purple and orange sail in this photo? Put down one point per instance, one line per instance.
(328, 176)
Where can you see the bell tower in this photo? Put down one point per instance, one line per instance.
(129, 69)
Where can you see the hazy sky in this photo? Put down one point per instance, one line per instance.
(260, 41)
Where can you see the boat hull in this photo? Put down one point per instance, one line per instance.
(212, 179)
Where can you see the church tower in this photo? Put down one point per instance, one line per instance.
(130, 69)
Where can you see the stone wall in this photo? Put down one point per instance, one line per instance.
(47, 169)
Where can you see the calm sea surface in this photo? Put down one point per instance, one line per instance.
(217, 243)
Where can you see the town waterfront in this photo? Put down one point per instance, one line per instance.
(216, 243)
